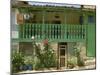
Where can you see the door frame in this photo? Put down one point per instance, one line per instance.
(65, 56)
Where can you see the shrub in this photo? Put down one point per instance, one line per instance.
(17, 61)
(46, 57)
(80, 61)
(29, 62)
(72, 62)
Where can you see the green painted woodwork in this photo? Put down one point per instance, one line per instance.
(53, 32)
(91, 40)
(90, 35)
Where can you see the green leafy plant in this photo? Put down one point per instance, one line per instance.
(72, 62)
(17, 61)
(28, 60)
(46, 57)
(80, 61)
(49, 55)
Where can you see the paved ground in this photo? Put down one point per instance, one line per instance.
(76, 68)
(89, 64)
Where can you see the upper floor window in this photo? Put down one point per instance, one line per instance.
(56, 16)
(81, 20)
(91, 19)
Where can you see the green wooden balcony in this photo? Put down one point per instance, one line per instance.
(53, 32)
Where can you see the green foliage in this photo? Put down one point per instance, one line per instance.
(49, 58)
(28, 60)
(46, 57)
(17, 61)
(80, 61)
(72, 62)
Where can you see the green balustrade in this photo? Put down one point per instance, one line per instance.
(53, 32)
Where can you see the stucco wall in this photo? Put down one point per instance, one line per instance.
(71, 17)
(28, 48)
(14, 46)
(50, 17)
(14, 25)
(82, 47)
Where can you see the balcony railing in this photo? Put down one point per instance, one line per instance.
(53, 31)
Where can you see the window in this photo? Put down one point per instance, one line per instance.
(26, 48)
(62, 52)
(91, 19)
(81, 20)
(56, 16)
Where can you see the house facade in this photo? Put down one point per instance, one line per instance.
(63, 25)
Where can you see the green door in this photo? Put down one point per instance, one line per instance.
(91, 40)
